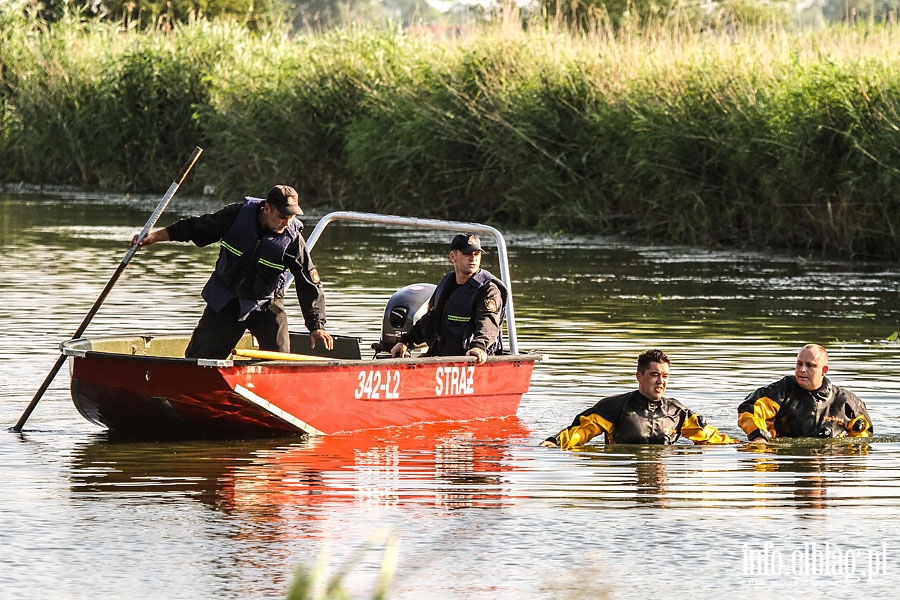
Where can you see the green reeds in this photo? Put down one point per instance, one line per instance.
(315, 583)
(770, 138)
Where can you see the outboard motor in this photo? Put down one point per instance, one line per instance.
(405, 307)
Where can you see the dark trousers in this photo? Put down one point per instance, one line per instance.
(217, 332)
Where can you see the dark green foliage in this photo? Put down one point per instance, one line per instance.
(786, 141)
(110, 123)
(288, 120)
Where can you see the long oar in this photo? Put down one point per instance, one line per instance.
(270, 355)
(128, 255)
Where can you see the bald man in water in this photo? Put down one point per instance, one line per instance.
(805, 404)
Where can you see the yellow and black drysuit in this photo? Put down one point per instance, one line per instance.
(633, 419)
(784, 409)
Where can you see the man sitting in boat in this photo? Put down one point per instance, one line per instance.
(466, 310)
(260, 243)
(643, 416)
(805, 404)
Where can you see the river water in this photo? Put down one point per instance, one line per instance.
(466, 510)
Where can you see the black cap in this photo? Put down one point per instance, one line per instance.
(285, 199)
(466, 243)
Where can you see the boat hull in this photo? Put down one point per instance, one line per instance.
(144, 395)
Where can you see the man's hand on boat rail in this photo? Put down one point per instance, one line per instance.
(479, 353)
(399, 351)
(322, 336)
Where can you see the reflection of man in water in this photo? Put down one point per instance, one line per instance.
(651, 477)
(810, 465)
(811, 492)
(643, 416)
(805, 404)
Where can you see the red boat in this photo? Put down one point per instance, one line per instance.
(141, 386)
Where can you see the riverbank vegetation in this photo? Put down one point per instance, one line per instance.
(763, 137)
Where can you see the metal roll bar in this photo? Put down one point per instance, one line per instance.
(458, 226)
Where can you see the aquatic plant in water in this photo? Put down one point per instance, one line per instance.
(315, 583)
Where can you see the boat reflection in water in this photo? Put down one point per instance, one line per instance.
(444, 465)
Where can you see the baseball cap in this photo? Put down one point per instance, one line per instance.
(466, 243)
(285, 199)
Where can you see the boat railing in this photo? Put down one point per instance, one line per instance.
(434, 224)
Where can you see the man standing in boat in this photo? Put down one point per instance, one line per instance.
(466, 310)
(805, 404)
(260, 243)
(643, 416)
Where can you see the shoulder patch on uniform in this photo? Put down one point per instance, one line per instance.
(314, 275)
(490, 304)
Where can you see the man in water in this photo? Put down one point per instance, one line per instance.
(805, 404)
(260, 243)
(643, 416)
(466, 310)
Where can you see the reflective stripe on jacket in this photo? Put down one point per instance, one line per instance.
(460, 318)
(251, 264)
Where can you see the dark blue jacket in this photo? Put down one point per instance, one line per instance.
(214, 227)
(462, 317)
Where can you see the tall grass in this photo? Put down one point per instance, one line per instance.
(771, 138)
(316, 584)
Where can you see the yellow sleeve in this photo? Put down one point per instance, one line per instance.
(762, 417)
(588, 428)
(703, 434)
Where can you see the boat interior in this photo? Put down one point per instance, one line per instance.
(173, 346)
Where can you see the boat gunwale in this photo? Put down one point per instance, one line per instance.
(67, 348)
